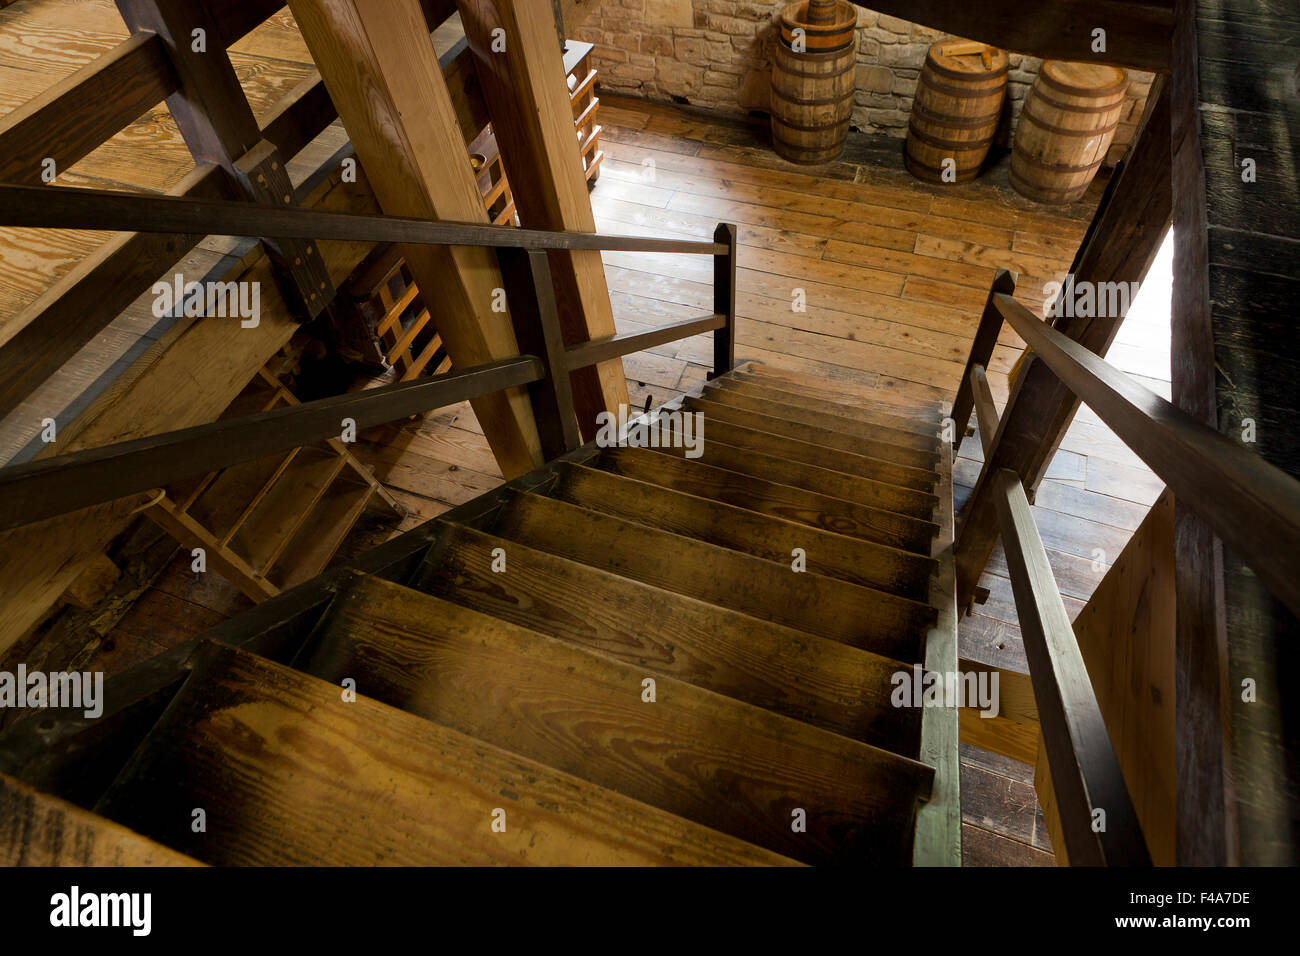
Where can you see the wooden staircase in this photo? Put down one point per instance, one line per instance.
(616, 659)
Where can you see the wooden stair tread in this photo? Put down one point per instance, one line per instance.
(906, 467)
(875, 620)
(749, 532)
(322, 534)
(791, 503)
(277, 515)
(37, 829)
(837, 390)
(814, 679)
(859, 409)
(699, 755)
(827, 481)
(290, 774)
(838, 418)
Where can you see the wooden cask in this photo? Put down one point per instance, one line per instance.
(826, 24)
(811, 98)
(956, 110)
(1065, 129)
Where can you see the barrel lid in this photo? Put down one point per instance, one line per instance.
(955, 55)
(795, 15)
(1083, 79)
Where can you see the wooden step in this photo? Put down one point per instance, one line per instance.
(896, 429)
(817, 680)
(908, 467)
(885, 623)
(826, 481)
(693, 477)
(37, 829)
(275, 516)
(289, 773)
(828, 554)
(840, 391)
(699, 755)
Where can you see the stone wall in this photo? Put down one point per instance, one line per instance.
(716, 54)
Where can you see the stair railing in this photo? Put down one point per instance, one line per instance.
(51, 486)
(1251, 505)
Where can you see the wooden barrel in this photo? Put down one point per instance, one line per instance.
(826, 26)
(1065, 129)
(811, 103)
(956, 110)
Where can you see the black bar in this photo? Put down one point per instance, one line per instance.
(69, 207)
(52, 486)
(625, 343)
(724, 299)
(530, 292)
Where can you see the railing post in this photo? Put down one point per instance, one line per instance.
(981, 350)
(530, 295)
(724, 300)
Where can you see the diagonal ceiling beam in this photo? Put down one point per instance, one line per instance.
(1138, 32)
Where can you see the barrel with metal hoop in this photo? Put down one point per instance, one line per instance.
(955, 111)
(1065, 129)
(812, 86)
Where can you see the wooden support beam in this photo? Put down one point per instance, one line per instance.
(218, 126)
(1137, 32)
(1120, 247)
(521, 70)
(724, 299)
(383, 75)
(531, 292)
(76, 115)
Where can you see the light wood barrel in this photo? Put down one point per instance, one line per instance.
(811, 103)
(956, 110)
(826, 26)
(1065, 129)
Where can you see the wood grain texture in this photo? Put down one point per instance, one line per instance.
(696, 477)
(1126, 634)
(711, 759)
(383, 76)
(739, 529)
(884, 623)
(291, 775)
(812, 679)
(41, 830)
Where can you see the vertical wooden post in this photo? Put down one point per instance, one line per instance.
(521, 70)
(981, 350)
(724, 300)
(382, 73)
(531, 293)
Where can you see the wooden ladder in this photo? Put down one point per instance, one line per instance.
(633, 655)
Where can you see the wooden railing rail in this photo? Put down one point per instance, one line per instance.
(1253, 506)
(51, 486)
(78, 208)
(1098, 821)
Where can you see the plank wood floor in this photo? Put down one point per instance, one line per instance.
(857, 273)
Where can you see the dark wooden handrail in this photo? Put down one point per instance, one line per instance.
(625, 343)
(69, 207)
(1086, 775)
(1253, 506)
(51, 486)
